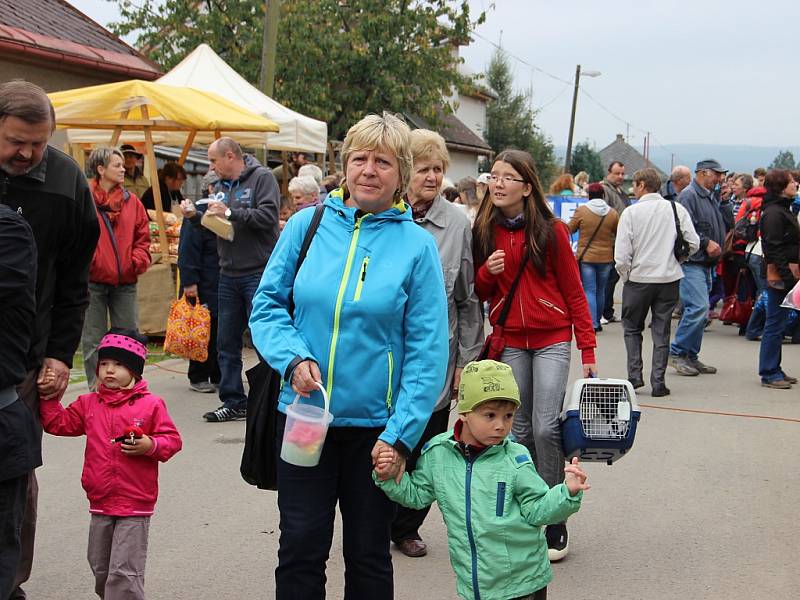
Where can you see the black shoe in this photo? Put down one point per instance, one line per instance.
(659, 390)
(203, 387)
(636, 383)
(598, 329)
(557, 541)
(223, 414)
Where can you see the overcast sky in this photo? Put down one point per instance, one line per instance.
(689, 71)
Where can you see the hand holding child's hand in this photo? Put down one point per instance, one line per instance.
(396, 466)
(46, 379)
(385, 462)
(575, 478)
(142, 445)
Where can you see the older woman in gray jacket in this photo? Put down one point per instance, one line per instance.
(452, 231)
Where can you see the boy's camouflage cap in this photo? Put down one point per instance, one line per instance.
(486, 380)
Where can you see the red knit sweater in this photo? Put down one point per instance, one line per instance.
(545, 309)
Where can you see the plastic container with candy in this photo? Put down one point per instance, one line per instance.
(306, 428)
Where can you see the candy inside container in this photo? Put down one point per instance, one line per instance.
(304, 435)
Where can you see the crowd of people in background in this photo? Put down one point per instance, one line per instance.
(410, 322)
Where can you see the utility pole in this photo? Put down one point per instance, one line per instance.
(272, 12)
(568, 157)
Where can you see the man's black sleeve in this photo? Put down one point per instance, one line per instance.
(17, 295)
(72, 279)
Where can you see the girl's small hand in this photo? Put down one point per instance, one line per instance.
(496, 263)
(140, 446)
(575, 478)
(589, 370)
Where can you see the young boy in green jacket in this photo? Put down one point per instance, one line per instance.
(493, 501)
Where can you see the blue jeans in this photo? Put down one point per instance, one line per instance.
(542, 377)
(594, 277)
(235, 303)
(695, 286)
(755, 326)
(769, 357)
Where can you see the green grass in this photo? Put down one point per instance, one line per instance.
(155, 354)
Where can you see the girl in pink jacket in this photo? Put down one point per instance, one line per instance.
(128, 431)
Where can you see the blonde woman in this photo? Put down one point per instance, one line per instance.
(452, 231)
(370, 324)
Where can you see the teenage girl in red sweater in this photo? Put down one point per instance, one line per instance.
(549, 303)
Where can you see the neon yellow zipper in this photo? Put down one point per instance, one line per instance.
(348, 265)
(389, 390)
(361, 278)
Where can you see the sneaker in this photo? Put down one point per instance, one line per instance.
(682, 366)
(780, 384)
(702, 367)
(604, 321)
(225, 414)
(203, 387)
(557, 541)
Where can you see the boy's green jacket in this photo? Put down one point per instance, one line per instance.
(494, 507)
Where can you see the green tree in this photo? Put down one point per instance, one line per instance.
(510, 121)
(336, 60)
(586, 158)
(784, 160)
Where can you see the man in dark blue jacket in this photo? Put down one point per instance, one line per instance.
(198, 264)
(20, 450)
(699, 200)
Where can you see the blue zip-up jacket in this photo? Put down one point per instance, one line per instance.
(370, 309)
(707, 219)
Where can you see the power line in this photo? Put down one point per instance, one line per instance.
(567, 84)
(556, 97)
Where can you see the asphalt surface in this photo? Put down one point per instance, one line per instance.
(704, 506)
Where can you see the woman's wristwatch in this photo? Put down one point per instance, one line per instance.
(227, 213)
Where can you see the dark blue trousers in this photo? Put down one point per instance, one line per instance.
(307, 498)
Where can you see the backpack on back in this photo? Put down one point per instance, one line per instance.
(746, 228)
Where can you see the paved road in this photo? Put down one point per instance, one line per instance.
(704, 507)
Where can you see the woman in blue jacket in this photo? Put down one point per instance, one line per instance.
(370, 324)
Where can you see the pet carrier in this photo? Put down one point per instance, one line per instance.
(599, 420)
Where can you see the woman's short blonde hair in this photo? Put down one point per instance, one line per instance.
(100, 157)
(429, 145)
(388, 132)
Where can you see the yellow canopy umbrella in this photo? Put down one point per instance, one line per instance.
(170, 114)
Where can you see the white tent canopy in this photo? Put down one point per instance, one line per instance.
(203, 69)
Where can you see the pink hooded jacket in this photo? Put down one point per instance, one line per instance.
(117, 485)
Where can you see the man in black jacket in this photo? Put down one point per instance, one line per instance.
(20, 447)
(49, 190)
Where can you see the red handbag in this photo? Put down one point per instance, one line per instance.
(734, 309)
(496, 341)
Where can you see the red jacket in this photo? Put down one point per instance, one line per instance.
(116, 484)
(122, 260)
(545, 310)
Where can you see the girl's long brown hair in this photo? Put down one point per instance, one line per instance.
(538, 216)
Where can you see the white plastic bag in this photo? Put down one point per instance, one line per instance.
(792, 299)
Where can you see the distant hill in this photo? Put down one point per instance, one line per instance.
(735, 158)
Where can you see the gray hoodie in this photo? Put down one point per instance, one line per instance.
(254, 200)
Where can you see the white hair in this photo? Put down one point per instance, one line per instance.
(303, 184)
(311, 170)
